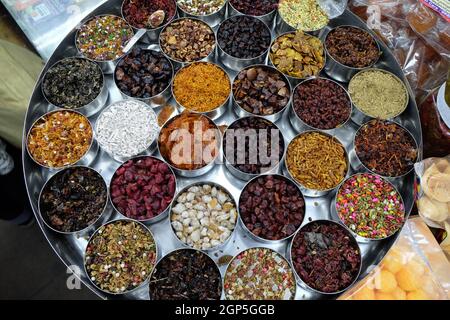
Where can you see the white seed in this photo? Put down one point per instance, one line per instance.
(214, 191)
(204, 221)
(195, 236)
(222, 197)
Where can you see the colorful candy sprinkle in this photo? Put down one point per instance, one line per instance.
(370, 206)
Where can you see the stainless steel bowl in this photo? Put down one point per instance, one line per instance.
(269, 18)
(107, 66)
(151, 35)
(360, 117)
(294, 80)
(213, 184)
(241, 112)
(339, 71)
(155, 101)
(147, 151)
(102, 217)
(186, 249)
(163, 214)
(312, 192)
(297, 276)
(336, 217)
(359, 166)
(265, 248)
(143, 283)
(211, 57)
(213, 114)
(283, 27)
(196, 172)
(245, 175)
(87, 159)
(235, 63)
(212, 19)
(92, 107)
(250, 233)
(299, 125)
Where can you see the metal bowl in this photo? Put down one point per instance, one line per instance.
(297, 276)
(85, 160)
(241, 112)
(155, 101)
(107, 66)
(151, 35)
(92, 107)
(283, 27)
(359, 166)
(294, 80)
(213, 19)
(269, 18)
(218, 186)
(213, 114)
(261, 239)
(185, 249)
(299, 125)
(163, 214)
(312, 192)
(339, 71)
(265, 248)
(102, 217)
(195, 172)
(235, 63)
(149, 148)
(246, 175)
(336, 217)
(143, 283)
(360, 117)
(211, 57)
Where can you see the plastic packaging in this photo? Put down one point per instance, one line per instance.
(414, 269)
(418, 36)
(433, 200)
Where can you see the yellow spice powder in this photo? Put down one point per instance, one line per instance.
(201, 87)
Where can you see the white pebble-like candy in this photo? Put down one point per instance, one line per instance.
(204, 216)
(127, 128)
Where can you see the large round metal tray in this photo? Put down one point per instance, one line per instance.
(71, 248)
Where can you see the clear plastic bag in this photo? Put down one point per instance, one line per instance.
(414, 269)
(418, 36)
(433, 201)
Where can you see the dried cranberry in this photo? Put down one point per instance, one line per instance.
(142, 188)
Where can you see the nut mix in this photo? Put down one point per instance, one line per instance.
(103, 38)
(378, 94)
(370, 206)
(243, 37)
(325, 256)
(386, 148)
(186, 274)
(120, 256)
(272, 207)
(72, 83)
(259, 274)
(59, 139)
(149, 14)
(322, 103)
(187, 40)
(254, 8)
(317, 161)
(126, 128)
(204, 216)
(200, 7)
(352, 47)
(142, 188)
(298, 54)
(201, 87)
(73, 199)
(246, 148)
(143, 73)
(181, 138)
(305, 15)
(261, 90)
